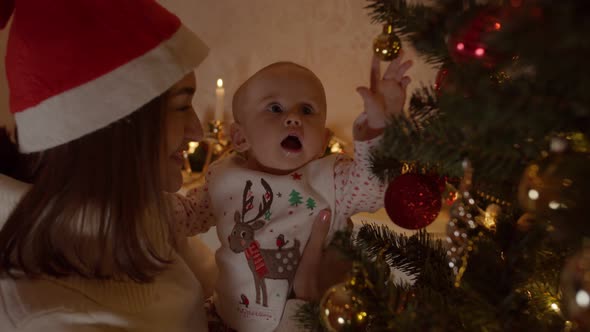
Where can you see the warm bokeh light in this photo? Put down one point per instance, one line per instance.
(583, 298)
(192, 146)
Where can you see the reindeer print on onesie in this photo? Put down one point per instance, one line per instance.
(263, 223)
(264, 263)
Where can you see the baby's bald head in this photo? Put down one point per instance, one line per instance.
(280, 118)
(262, 82)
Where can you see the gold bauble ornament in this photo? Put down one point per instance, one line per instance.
(575, 287)
(387, 45)
(554, 183)
(340, 310)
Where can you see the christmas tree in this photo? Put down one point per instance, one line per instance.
(505, 128)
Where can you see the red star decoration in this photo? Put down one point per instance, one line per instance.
(296, 176)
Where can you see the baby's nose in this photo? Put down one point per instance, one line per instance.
(291, 121)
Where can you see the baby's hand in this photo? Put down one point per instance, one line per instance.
(386, 96)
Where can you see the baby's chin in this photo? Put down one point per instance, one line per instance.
(282, 167)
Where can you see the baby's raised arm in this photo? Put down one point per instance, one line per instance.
(385, 95)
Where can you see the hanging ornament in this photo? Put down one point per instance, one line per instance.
(449, 190)
(575, 286)
(500, 77)
(489, 218)
(387, 45)
(555, 182)
(458, 245)
(413, 201)
(341, 310)
(463, 221)
(469, 43)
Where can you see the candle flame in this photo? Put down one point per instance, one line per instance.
(219, 83)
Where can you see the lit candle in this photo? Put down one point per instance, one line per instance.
(219, 93)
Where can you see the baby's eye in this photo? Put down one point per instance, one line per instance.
(307, 110)
(275, 108)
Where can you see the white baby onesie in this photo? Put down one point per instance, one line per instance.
(264, 221)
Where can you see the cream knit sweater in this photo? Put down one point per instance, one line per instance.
(174, 302)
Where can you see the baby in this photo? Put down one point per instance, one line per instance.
(264, 198)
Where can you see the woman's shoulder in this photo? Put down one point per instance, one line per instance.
(41, 305)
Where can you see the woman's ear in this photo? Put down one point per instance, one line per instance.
(238, 139)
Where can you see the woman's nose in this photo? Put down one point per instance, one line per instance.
(193, 129)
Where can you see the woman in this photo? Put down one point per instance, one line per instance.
(102, 93)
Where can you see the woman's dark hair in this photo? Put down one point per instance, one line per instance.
(14, 164)
(95, 209)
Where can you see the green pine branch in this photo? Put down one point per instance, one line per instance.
(501, 116)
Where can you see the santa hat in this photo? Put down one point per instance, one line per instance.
(76, 66)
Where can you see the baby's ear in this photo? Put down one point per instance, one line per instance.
(238, 139)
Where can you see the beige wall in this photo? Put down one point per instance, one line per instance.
(331, 37)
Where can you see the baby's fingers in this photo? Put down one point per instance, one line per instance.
(401, 71)
(375, 73)
(405, 81)
(393, 66)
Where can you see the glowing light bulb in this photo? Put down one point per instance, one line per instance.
(533, 194)
(583, 298)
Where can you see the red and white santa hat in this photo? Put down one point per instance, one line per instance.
(76, 66)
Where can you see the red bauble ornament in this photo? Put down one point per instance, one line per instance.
(413, 201)
(469, 42)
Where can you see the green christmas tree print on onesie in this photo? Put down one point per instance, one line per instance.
(295, 198)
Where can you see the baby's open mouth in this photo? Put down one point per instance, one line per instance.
(292, 143)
